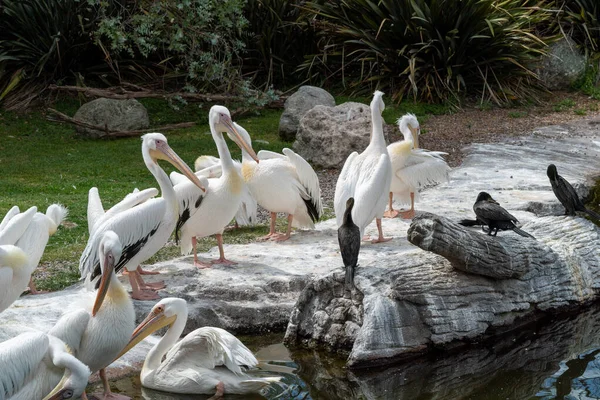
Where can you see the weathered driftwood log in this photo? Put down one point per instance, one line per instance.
(57, 116)
(506, 255)
(408, 301)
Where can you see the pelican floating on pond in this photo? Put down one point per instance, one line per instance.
(145, 227)
(204, 214)
(366, 177)
(206, 360)
(36, 365)
(98, 332)
(412, 167)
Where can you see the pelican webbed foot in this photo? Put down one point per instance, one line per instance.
(224, 261)
(391, 213)
(202, 265)
(219, 393)
(141, 294)
(410, 214)
(153, 285)
(146, 272)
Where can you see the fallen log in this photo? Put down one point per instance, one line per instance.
(103, 131)
(502, 257)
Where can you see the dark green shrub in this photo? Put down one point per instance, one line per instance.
(42, 41)
(432, 50)
(580, 19)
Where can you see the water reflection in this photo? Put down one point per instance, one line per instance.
(557, 359)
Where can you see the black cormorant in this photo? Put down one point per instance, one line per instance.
(566, 194)
(490, 213)
(349, 240)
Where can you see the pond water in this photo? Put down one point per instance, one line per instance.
(555, 358)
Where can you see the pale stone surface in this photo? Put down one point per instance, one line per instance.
(298, 104)
(408, 299)
(327, 135)
(120, 115)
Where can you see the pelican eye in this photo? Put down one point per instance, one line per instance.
(67, 394)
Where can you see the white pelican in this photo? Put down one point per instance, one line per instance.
(366, 177)
(144, 228)
(14, 224)
(32, 241)
(36, 365)
(283, 183)
(207, 214)
(210, 167)
(14, 274)
(98, 332)
(206, 360)
(413, 168)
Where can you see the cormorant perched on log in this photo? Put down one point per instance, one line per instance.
(566, 194)
(349, 239)
(490, 213)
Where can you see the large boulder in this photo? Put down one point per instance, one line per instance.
(327, 135)
(563, 64)
(114, 115)
(297, 105)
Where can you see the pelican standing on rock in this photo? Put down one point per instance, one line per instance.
(98, 333)
(206, 361)
(366, 177)
(412, 168)
(144, 228)
(283, 183)
(204, 214)
(35, 365)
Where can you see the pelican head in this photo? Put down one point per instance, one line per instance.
(71, 386)
(552, 172)
(484, 196)
(377, 103)
(164, 313)
(220, 119)
(410, 128)
(155, 146)
(110, 253)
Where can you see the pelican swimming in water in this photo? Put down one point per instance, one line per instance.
(204, 214)
(145, 227)
(35, 365)
(206, 361)
(412, 167)
(210, 167)
(366, 177)
(98, 332)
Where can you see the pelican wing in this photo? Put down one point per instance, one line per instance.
(247, 213)
(190, 199)
(423, 168)
(209, 172)
(71, 327)
(134, 227)
(203, 162)
(373, 183)
(307, 178)
(344, 188)
(11, 213)
(16, 226)
(95, 210)
(210, 347)
(267, 155)
(19, 358)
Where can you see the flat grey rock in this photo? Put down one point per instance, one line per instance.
(119, 115)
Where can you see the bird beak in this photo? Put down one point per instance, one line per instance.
(415, 134)
(109, 268)
(237, 138)
(151, 324)
(57, 392)
(177, 162)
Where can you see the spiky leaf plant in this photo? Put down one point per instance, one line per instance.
(432, 50)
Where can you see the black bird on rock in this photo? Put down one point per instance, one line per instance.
(566, 194)
(490, 213)
(349, 240)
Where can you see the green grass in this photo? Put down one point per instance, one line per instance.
(45, 162)
(517, 114)
(564, 105)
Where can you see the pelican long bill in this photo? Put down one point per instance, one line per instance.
(178, 163)
(237, 138)
(148, 326)
(109, 268)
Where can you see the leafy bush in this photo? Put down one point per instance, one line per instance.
(581, 20)
(278, 39)
(434, 50)
(42, 41)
